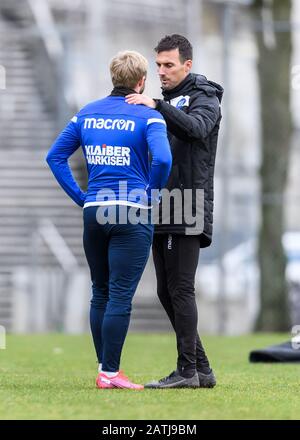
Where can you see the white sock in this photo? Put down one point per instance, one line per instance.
(100, 368)
(110, 373)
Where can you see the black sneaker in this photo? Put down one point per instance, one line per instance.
(174, 380)
(207, 380)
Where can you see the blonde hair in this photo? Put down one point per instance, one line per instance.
(128, 68)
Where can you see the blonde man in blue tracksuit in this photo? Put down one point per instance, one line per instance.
(117, 140)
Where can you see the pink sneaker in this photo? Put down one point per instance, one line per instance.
(119, 381)
(103, 383)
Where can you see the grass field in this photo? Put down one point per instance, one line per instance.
(52, 377)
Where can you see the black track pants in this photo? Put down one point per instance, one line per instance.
(176, 259)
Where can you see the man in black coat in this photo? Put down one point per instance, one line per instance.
(191, 109)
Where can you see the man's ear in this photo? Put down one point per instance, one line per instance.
(188, 65)
(141, 84)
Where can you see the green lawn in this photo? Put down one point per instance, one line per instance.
(52, 377)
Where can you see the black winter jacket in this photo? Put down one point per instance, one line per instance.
(192, 113)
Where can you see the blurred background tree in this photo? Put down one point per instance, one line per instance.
(274, 57)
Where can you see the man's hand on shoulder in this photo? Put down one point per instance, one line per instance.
(136, 98)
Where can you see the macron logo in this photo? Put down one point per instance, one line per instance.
(109, 124)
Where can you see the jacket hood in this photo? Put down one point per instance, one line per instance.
(209, 87)
(195, 81)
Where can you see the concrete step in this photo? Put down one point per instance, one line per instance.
(18, 229)
(25, 192)
(22, 88)
(66, 229)
(31, 174)
(68, 213)
(44, 260)
(30, 118)
(22, 190)
(19, 66)
(43, 256)
(36, 203)
(72, 220)
(11, 162)
(18, 72)
(22, 133)
(12, 55)
(29, 181)
(12, 49)
(26, 124)
(20, 241)
(21, 105)
(25, 143)
(22, 83)
(21, 249)
(24, 154)
(22, 91)
(25, 119)
(34, 174)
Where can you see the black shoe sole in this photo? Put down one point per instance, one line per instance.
(173, 387)
(210, 385)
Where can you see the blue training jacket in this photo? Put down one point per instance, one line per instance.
(116, 139)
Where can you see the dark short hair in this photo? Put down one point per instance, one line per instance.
(170, 42)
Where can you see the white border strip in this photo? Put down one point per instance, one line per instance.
(116, 202)
(151, 120)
